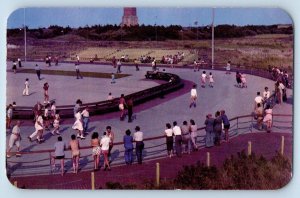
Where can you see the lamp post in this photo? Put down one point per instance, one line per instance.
(212, 39)
(196, 24)
(25, 44)
(155, 30)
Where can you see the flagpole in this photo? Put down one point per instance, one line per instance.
(212, 39)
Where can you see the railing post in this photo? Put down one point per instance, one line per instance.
(249, 148)
(237, 124)
(93, 180)
(207, 159)
(50, 162)
(157, 174)
(282, 145)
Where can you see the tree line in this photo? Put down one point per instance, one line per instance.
(150, 32)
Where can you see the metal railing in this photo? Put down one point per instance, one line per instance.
(155, 147)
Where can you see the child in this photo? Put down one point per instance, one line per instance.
(56, 125)
(228, 67)
(203, 79)
(113, 78)
(74, 146)
(211, 80)
(26, 89)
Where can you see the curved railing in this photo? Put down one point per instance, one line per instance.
(155, 147)
(173, 82)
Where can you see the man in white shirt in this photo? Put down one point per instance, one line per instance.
(258, 100)
(139, 146)
(178, 138)
(193, 96)
(266, 95)
(14, 139)
(78, 74)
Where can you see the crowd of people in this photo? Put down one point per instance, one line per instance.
(179, 139)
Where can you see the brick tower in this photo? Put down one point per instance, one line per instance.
(129, 17)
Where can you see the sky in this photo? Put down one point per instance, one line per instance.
(76, 17)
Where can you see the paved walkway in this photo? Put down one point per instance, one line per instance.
(151, 116)
(262, 144)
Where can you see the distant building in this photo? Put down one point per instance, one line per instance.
(283, 26)
(129, 17)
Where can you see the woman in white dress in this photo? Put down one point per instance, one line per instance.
(211, 80)
(78, 125)
(268, 118)
(203, 79)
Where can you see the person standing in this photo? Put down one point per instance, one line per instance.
(122, 104)
(14, 139)
(136, 63)
(258, 100)
(46, 93)
(119, 64)
(96, 149)
(209, 129)
(203, 79)
(39, 129)
(113, 79)
(56, 125)
(59, 153)
(104, 144)
(193, 96)
(139, 145)
(128, 145)
(226, 124)
(169, 139)
(130, 108)
(111, 135)
(153, 64)
(14, 67)
(193, 129)
(38, 71)
(74, 146)
(26, 88)
(85, 119)
(266, 96)
(186, 138)
(238, 79)
(19, 62)
(268, 118)
(178, 138)
(211, 80)
(9, 115)
(259, 116)
(78, 74)
(77, 60)
(218, 128)
(78, 125)
(114, 62)
(228, 67)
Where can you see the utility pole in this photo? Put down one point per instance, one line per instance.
(212, 39)
(25, 42)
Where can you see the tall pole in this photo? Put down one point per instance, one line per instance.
(25, 44)
(212, 39)
(156, 30)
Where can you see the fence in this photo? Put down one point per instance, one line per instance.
(155, 148)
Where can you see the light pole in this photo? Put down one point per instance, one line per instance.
(181, 31)
(155, 30)
(196, 24)
(25, 44)
(212, 39)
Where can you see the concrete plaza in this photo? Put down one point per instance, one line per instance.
(151, 116)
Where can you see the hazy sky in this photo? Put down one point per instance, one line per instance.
(75, 17)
